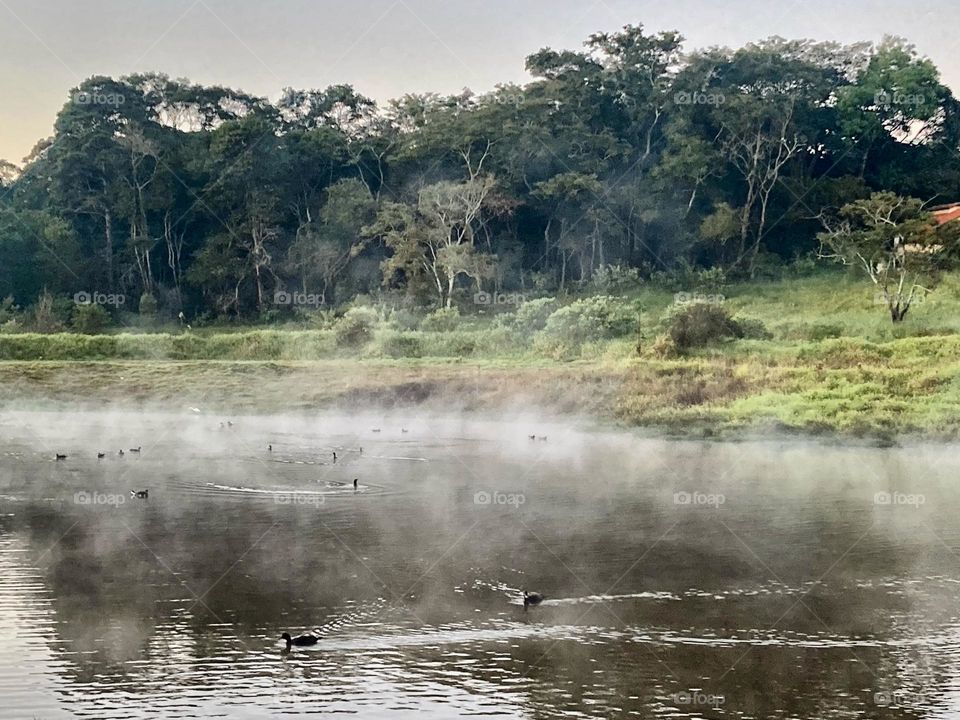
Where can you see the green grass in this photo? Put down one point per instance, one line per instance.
(835, 364)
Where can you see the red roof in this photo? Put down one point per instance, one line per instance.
(945, 213)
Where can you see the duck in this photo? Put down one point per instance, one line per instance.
(404, 430)
(532, 437)
(120, 453)
(334, 455)
(136, 449)
(355, 481)
(532, 598)
(300, 640)
(101, 455)
(61, 456)
(375, 430)
(269, 448)
(143, 494)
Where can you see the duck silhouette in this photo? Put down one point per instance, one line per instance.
(532, 598)
(100, 455)
(143, 494)
(300, 640)
(136, 449)
(61, 457)
(269, 448)
(355, 480)
(120, 453)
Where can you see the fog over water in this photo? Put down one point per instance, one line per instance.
(683, 579)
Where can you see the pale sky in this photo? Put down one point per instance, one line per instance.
(386, 47)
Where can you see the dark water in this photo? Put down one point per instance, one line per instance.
(760, 580)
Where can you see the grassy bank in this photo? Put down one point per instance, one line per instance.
(831, 362)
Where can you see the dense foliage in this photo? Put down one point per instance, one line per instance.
(625, 160)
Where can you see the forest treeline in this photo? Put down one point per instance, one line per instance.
(629, 156)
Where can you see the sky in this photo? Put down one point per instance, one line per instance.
(386, 48)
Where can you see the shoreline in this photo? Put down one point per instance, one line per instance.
(693, 399)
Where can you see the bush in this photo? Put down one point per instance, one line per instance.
(532, 316)
(90, 319)
(356, 326)
(148, 307)
(590, 319)
(404, 319)
(615, 279)
(442, 320)
(696, 325)
(753, 329)
(46, 317)
(395, 344)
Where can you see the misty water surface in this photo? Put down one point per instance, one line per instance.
(754, 580)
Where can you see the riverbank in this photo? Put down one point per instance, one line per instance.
(843, 387)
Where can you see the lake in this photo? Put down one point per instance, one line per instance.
(774, 579)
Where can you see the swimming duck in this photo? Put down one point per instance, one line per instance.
(300, 640)
(120, 453)
(404, 430)
(532, 598)
(532, 437)
(136, 449)
(355, 483)
(334, 456)
(269, 448)
(101, 455)
(140, 493)
(375, 430)
(61, 457)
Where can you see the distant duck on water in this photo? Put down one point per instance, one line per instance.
(61, 457)
(355, 481)
(101, 455)
(300, 640)
(142, 494)
(136, 449)
(120, 453)
(269, 448)
(532, 598)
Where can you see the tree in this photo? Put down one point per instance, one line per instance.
(900, 247)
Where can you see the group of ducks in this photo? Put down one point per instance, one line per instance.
(142, 494)
(100, 455)
(529, 598)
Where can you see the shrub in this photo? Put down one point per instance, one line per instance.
(615, 278)
(45, 317)
(532, 316)
(148, 306)
(404, 319)
(399, 344)
(442, 320)
(696, 325)
(753, 329)
(592, 318)
(90, 319)
(356, 326)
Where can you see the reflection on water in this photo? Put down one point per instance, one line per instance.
(757, 580)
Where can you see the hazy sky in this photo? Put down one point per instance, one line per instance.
(386, 47)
